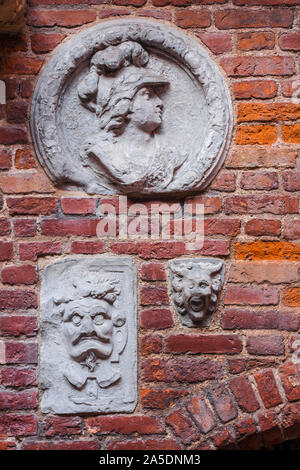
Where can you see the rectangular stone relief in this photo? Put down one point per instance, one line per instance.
(89, 336)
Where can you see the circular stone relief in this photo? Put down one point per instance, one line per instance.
(131, 107)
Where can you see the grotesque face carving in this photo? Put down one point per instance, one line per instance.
(195, 284)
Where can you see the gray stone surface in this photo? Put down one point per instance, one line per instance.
(131, 107)
(195, 284)
(89, 336)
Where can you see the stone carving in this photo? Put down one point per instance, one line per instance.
(195, 285)
(88, 329)
(134, 107)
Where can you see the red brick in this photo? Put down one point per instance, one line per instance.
(32, 205)
(267, 387)
(26, 88)
(269, 428)
(18, 425)
(124, 425)
(5, 228)
(218, 43)
(259, 180)
(12, 88)
(66, 18)
(7, 445)
(266, 2)
(154, 295)
(291, 134)
(45, 42)
(21, 65)
(257, 66)
(32, 250)
(256, 41)
(24, 159)
(222, 402)
(290, 375)
(212, 205)
(259, 204)
(5, 160)
(6, 251)
(61, 445)
(202, 414)
(266, 345)
(272, 18)
(247, 437)
(236, 366)
(161, 398)
(151, 344)
(18, 325)
(21, 353)
(291, 229)
(62, 426)
(244, 394)
(78, 206)
(149, 444)
(181, 370)
(13, 42)
(224, 440)
(290, 41)
(153, 272)
(206, 344)
(17, 299)
(107, 12)
(161, 250)
(17, 111)
(66, 228)
(246, 319)
(158, 14)
(228, 226)
(263, 227)
(214, 248)
(252, 295)
(25, 227)
(88, 247)
(257, 157)
(13, 377)
(12, 135)
(18, 400)
(25, 182)
(291, 180)
(65, 2)
(290, 420)
(192, 18)
(255, 89)
(156, 318)
(183, 427)
(162, 3)
(252, 135)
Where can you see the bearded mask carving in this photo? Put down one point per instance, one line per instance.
(195, 285)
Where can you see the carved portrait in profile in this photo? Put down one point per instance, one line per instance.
(195, 285)
(131, 107)
(86, 340)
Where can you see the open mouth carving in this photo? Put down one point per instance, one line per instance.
(197, 303)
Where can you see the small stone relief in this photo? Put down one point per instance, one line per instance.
(88, 330)
(151, 110)
(195, 285)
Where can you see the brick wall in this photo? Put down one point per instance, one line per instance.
(231, 385)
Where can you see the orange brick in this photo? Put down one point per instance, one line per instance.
(261, 250)
(291, 297)
(268, 112)
(262, 135)
(291, 134)
(23, 182)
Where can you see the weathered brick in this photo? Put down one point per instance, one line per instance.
(257, 157)
(21, 65)
(13, 42)
(222, 402)
(181, 370)
(12, 135)
(45, 42)
(273, 18)
(30, 251)
(291, 296)
(269, 428)
(291, 229)
(218, 43)
(236, 366)
(260, 250)
(258, 66)
(154, 295)
(224, 440)
(21, 353)
(290, 41)
(12, 85)
(156, 318)
(246, 319)
(291, 180)
(264, 271)
(291, 134)
(5, 227)
(151, 344)
(257, 134)
(61, 445)
(290, 420)
(268, 112)
(224, 226)
(67, 228)
(244, 394)
(266, 345)
(224, 181)
(66, 18)
(258, 89)
(87, 247)
(25, 227)
(252, 295)
(161, 398)
(26, 87)
(206, 344)
(17, 299)
(247, 437)
(153, 272)
(148, 444)
(13, 377)
(24, 274)
(78, 206)
(25, 182)
(17, 111)
(259, 180)
(24, 159)
(18, 425)
(290, 375)
(202, 414)
(183, 426)
(263, 227)
(267, 387)
(32, 205)
(256, 41)
(6, 251)
(124, 425)
(7, 445)
(258, 204)
(5, 160)
(62, 426)
(212, 205)
(193, 18)
(18, 400)
(18, 325)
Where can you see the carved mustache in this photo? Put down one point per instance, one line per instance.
(102, 339)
